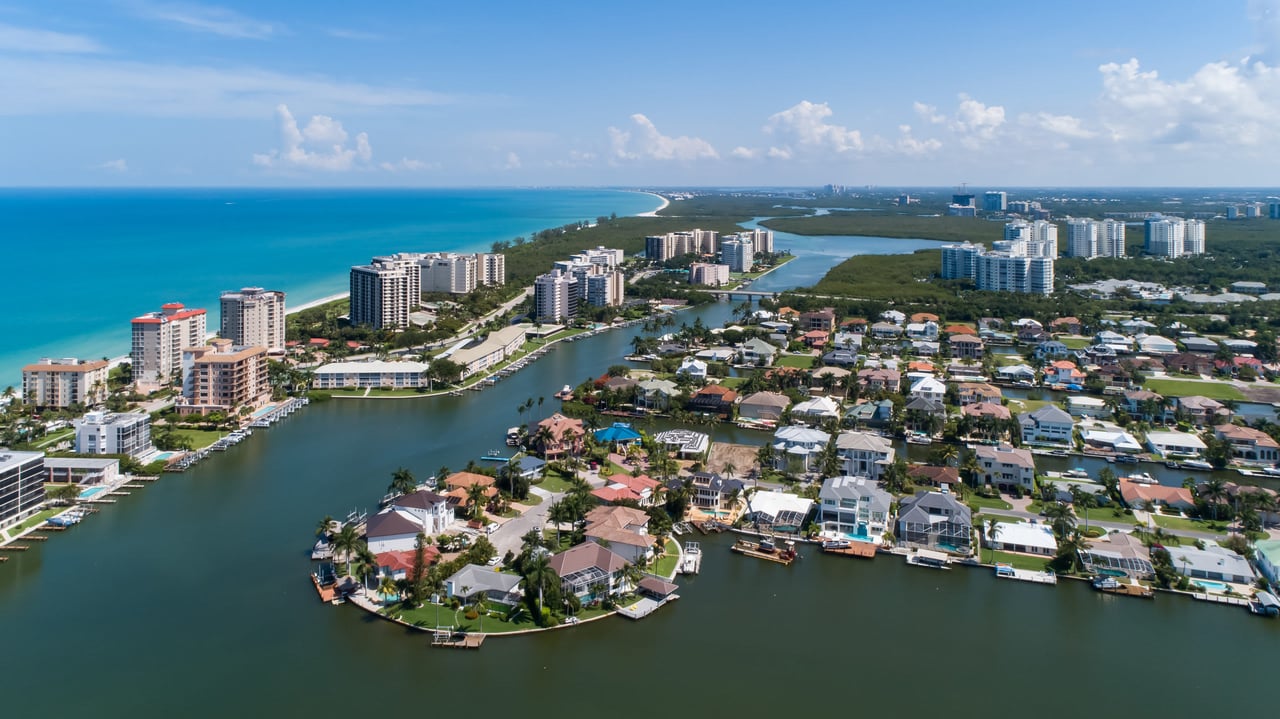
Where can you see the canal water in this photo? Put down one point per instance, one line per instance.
(191, 598)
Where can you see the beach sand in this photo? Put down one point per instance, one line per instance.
(654, 212)
(316, 303)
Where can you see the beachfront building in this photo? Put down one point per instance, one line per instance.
(22, 478)
(1023, 538)
(62, 383)
(158, 341)
(110, 433)
(738, 254)
(377, 373)
(385, 291)
(495, 348)
(1004, 466)
(222, 377)
(935, 520)
(864, 454)
(853, 507)
(253, 317)
(706, 273)
(555, 296)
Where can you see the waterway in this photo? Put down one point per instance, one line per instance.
(191, 598)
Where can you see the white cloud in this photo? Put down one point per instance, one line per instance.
(745, 153)
(321, 145)
(929, 113)
(648, 143)
(21, 39)
(1220, 104)
(1064, 125)
(976, 122)
(113, 166)
(406, 164)
(65, 85)
(908, 144)
(513, 162)
(804, 126)
(205, 18)
(779, 153)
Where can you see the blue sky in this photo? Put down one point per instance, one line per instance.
(160, 93)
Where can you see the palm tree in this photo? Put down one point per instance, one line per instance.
(539, 575)
(1215, 490)
(558, 513)
(476, 500)
(1071, 545)
(366, 563)
(402, 482)
(992, 532)
(388, 586)
(1060, 518)
(347, 542)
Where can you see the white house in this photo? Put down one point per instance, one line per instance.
(756, 351)
(1023, 537)
(797, 448)
(930, 388)
(431, 510)
(1214, 562)
(1017, 373)
(1081, 406)
(1173, 443)
(864, 454)
(693, 367)
(816, 410)
(853, 507)
(1047, 425)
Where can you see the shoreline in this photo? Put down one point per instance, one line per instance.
(654, 212)
(316, 303)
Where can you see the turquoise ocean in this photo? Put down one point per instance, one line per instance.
(81, 263)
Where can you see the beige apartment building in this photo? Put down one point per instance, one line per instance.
(253, 317)
(62, 383)
(222, 377)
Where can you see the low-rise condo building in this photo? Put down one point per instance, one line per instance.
(62, 383)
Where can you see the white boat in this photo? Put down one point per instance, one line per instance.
(930, 559)
(1142, 478)
(1197, 464)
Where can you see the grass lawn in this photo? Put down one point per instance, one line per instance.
(199, 438)
(532, 500)
(801, 361)
(555, 482)
(1184, 388)
(1075, 343)
(1019, 561)
(666, 565)
(54, 438)
(975, 500)
(1028, 405)
(732, 382)
(1193, 525)
(33, 520)
(403, 392)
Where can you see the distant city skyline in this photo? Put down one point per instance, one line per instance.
(173, 93)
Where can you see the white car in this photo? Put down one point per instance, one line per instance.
(491, 527)
(493, 561)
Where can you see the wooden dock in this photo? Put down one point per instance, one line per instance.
(1220, 599)
(456, 640)
(861, 550)
(1007, 571)
(14, 547)
(327, 594)
(753, 549)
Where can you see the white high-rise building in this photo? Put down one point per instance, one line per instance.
(1193, 237)
(493, 269)
(253, 317)
(1082, 237)
(1007, 268)
(960, 261)
(761, 240)
(1044, 239)
(605, 289)
(385, 291)
(158, 339)
(1174, 237)
(555, 296)
(704, 273)
(1111, 239)
(738, 254)
(449, 272)
(603, 256)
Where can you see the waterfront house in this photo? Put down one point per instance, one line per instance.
(987, 411)
(925, 348)
(1249, 445)
(1201, 410)
(959, 330)
(885, 331)
(796, 449)
(85, 471)
(433, 511)
(589, 571)
(922, 330)
(692, 367)
(1214, 562)
(1083, 406)
(392, 530)
(1266, 556)
(1118, 554)
(1140, 495)
(1018, 373)
(935, 520)
(854, 507)
(1030, 335)
(893, 316)
(640, 489)
(1108, 436)
(756, 352)
(880, 379)
(1004, 466)
(624, 530)
(1052, 349)
(816, 410)
(975, 392)
(932, 475)
(841, 358)
(966, 347)
(1115, 341)
(684, 443)
(877, 414)
(656, 394)
(1143, 404)
(713, 399)
(1166, 444)
(864, 454)
(1199, 345)
(558, 435)
(1023, 538)
(474, 579)
(1048, 425)
(924, 414)
(764, 405)
(1064, 372)
(930, 388)
(777, 511)
(398, 564)
(712, 491)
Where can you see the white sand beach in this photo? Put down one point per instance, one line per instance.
(654, 213)
(316, 303)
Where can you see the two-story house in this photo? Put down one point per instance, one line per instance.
(853, 507)
(1006, 467)
(864, 454)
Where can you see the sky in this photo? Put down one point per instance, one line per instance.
(410, 94)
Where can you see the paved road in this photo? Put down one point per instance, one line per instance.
(507, 537)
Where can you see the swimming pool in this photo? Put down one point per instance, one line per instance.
(265, 410)
(162, 457)
(858, 537)
(86, 494)
(1210, 585)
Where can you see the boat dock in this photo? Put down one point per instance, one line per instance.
(1110, 585)
(766, 550)
(1007, 571)
(929, 558)
(1220, 599)
(691, 558)
(861, 550)
(449, 639)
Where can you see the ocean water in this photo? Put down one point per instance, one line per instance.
(82, 263)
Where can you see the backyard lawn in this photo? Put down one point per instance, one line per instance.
(1184, 388)
(1192, 525)
(666, 565)
(801, 361)
(199, 438)
(1019, 561)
